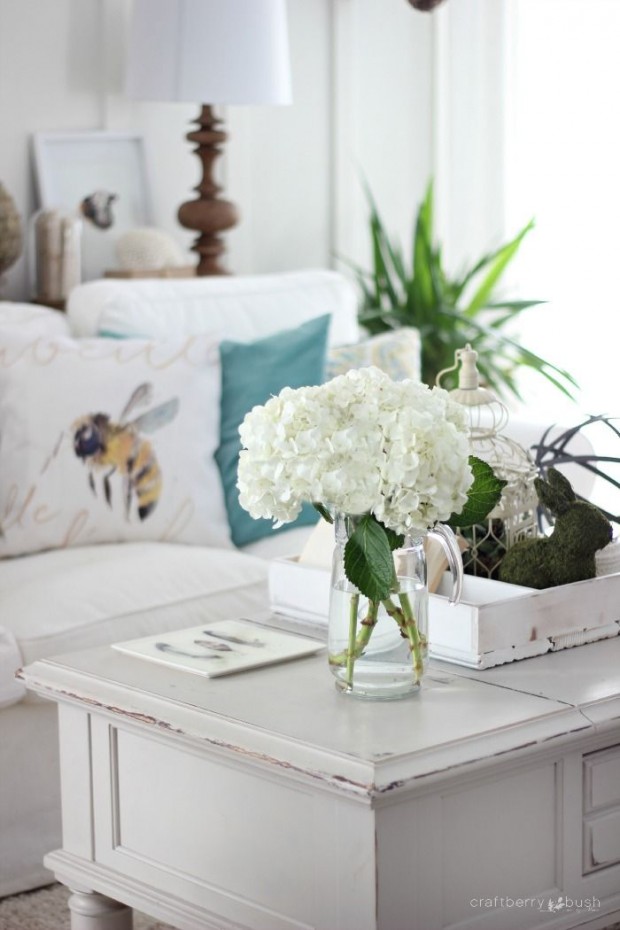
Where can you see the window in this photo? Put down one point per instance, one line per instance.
(527, 125)
(563, 167)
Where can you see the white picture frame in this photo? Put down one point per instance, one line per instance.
(71, 166)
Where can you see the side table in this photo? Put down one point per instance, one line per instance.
(266, 800)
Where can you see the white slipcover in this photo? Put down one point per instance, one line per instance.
(241, 308)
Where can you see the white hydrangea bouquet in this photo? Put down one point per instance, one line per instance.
(392, 455)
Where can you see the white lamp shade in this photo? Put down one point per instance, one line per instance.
(209, 51)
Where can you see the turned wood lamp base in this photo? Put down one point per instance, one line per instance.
(209, 215)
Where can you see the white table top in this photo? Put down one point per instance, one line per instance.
(291, 715)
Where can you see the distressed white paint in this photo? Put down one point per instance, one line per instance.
(268, 800)
(496, 623)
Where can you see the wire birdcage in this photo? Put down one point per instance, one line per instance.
(515, 517)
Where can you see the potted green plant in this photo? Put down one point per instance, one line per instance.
(448, 311)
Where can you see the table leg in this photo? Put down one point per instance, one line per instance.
(92, 911)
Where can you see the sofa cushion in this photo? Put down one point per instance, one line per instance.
(106, 441)
(90, 596)
(242, 308)
(397, 353)
(32, 319)
(251, 373)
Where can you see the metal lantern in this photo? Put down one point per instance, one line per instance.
(515, 517)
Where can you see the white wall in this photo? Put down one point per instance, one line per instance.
(49, 79)
(362, 85)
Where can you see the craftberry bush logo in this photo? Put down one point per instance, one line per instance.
(557, 904)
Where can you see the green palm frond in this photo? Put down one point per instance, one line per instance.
(449, 312)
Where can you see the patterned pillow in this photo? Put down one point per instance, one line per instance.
(397, 353)
(108, 441)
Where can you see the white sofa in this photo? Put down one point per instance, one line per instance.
(79, 597)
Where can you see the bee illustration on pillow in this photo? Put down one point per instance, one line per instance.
(120, 447)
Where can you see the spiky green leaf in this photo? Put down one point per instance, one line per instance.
(497, 266)
(423, 296)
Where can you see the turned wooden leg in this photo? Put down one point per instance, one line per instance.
(92, 911)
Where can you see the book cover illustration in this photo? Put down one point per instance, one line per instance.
(220, 648)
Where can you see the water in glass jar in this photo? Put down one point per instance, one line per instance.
(384, 669)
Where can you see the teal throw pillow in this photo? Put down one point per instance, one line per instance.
(253, 372)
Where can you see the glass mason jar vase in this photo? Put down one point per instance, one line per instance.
(377, 649)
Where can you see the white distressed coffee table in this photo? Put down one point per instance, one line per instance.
(267, 800)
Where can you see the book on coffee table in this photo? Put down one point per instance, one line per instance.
(215, 649)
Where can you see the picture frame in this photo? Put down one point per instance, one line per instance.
(72, 166)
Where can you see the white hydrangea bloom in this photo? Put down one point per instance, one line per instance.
(361, 443)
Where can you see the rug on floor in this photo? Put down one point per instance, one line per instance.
(47, 909)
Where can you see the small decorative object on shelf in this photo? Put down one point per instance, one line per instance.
(568, 554)
(391, 461)
(56, 256)
(145, 250)
(515, 516)
(11, 239)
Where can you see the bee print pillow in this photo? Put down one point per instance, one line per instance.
(107, 440)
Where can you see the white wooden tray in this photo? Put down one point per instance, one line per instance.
(494, 623)
(497, 623)
(299, 591)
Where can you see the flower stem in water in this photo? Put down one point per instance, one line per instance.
(353, 608)
(357, 642)
(413, 635)
(405, 619)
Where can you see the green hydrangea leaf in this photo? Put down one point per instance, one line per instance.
(368, 559)
(395, 540)
(484, 494)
